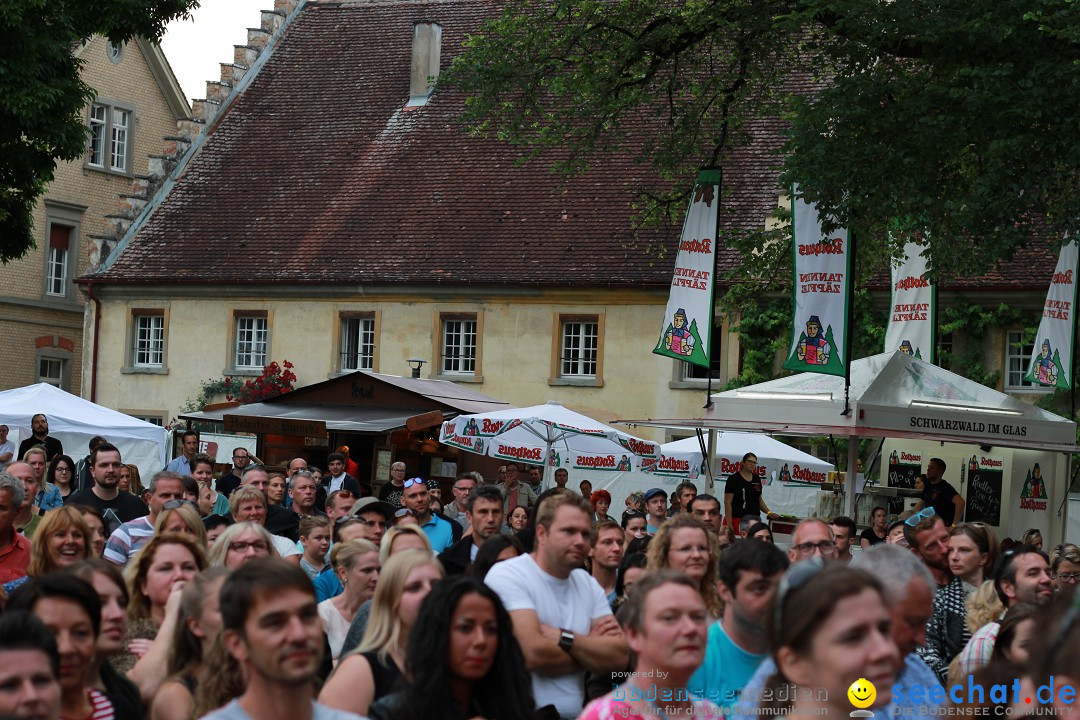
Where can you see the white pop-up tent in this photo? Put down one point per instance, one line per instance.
(777, 461)
(891, 395)
(74, 421)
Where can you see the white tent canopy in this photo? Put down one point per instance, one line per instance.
(774, 457)
(891, 395)
(74, 421)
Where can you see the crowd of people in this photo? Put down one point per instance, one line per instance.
(308, 595)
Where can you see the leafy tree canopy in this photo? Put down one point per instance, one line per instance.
(42, 96)
(946, 116)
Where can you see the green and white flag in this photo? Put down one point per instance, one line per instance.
(819, 338)
(688, 321)
(1051, 362)
(911, 312)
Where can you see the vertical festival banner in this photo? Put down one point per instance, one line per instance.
(819, 338)
(1052, 361)
(911, 311)
(688, 319)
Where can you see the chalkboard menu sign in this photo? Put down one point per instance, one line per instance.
(985, 475)
(903, 467)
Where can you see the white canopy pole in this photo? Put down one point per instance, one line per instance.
(711, 456)
(850, 476)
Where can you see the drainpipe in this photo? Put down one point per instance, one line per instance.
(97, 325)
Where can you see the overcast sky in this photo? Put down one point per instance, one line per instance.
(196, 47)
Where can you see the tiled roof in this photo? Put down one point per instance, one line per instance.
(317, 174)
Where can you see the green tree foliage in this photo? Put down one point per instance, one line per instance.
(42, 96)
(959, 114)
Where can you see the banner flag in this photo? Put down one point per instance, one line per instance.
(688, 319)
(911, 311)
(819, 338)
(1052, 361)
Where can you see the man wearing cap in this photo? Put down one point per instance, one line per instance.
(376, 513)
(655, 509)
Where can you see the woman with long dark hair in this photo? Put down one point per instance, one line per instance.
(61, 475)
(461, 648)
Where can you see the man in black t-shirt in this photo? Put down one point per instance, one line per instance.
(39, 426)
(940, 495)
(117, 507)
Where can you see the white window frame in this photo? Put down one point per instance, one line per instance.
(56, 380)
(459, 345)
(576, 357)
(1017, 359)
(252, 342)
(112, 132)
(148, 347)
(357, 343)
(56, 271)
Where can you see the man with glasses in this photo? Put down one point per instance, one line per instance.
(416, 497)
(455, 509)
(515, 492)
(391, 490)
(812, 537)
(231, 480)
(166, 488)
(940, 495)
(1022, 575)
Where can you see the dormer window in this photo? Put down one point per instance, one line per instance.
(426, 57)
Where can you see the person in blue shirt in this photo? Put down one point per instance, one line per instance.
(749, 575)
(415, 496)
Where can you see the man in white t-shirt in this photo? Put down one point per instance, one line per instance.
(7, 448)
(561, 618)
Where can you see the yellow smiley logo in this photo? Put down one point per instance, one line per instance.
(862, 693)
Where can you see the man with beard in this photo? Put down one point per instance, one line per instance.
(1022, 576)
(272, 629)
(115, 506)
(39, 427)
(947, 632)
(749, 576)
(484, 513)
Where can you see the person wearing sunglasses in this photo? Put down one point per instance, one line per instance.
(829, 627)
(940, 495)
(126, 541)
(1065, 566)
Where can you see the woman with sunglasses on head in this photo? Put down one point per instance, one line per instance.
(461, 649)
(181, 516)
(1032, 537)
(667, 625)
(829, 627)
(377, 667)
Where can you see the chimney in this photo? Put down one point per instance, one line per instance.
(426, 56)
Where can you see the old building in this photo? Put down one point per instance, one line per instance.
(138, 104)
(332, 212)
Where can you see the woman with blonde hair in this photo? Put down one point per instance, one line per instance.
(239, 543)
(357, 565)
(180, 516)
(62, 539)
(683, 543)
(131, 480)
(198, 624)
(401, 537)
(377, 668)
(155, 577)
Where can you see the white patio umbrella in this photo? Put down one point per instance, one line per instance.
(551, 435)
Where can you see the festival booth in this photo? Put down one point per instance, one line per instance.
(790, 479)
(920, 406)
(74, 421)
